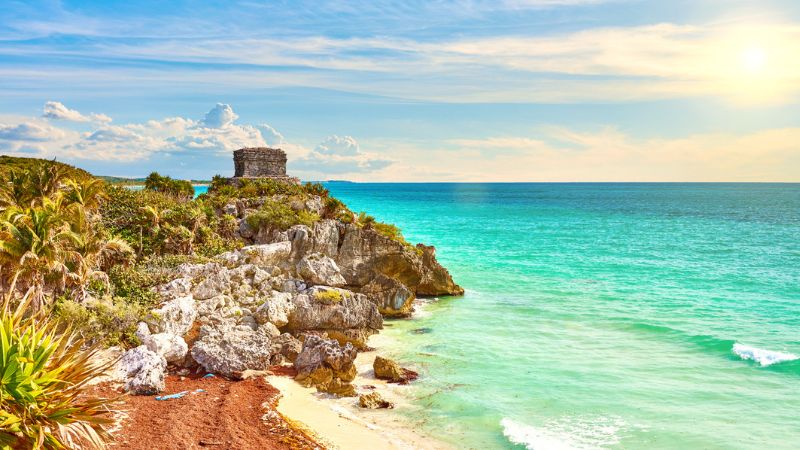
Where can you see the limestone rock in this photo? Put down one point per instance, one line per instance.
(386, 369)
(352, 311)
(174, 317)
(320, 269)
(173, 348)
(288, 346)
(142, 370)
(393, 298)
(276, 309)
(326, 365)
(373, 400)
(262, 255)
(227, 351)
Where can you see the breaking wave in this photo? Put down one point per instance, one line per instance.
(761, 356)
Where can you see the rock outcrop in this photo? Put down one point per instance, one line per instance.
(386, 369)
(326, 365)
(246, 309)
(142, 371)
(373, 400)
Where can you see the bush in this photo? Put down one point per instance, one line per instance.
(278, 215)
(316, 189)
(328, 297)
(102, 323)
(42, 396)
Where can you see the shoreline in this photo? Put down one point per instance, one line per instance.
(339, 423)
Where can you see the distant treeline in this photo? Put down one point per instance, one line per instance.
(139, 181)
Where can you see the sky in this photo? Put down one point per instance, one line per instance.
(467, 90)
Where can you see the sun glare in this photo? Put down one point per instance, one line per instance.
(754, 59)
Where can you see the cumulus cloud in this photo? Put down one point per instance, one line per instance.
(29, 131)
(58, 111)
(340, 155)
(220, 116)
(213, 136)
(271, 136)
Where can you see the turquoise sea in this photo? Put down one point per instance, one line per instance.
(636, 316)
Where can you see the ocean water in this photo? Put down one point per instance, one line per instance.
(635, 316)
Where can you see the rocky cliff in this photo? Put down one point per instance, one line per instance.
(259, 305)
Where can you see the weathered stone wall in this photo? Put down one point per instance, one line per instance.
(259, 162)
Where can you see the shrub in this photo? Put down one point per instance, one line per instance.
(42, 396)
(316, 189)
(278, 215)
(328, 297)
(389, 230)
(103, 323)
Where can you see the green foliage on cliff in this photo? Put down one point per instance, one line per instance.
(278, 215)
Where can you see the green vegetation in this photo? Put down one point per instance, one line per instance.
(166, 185)
(328, 297)
(122, 181)
(42, 396)
(21, 165)
(274, 214)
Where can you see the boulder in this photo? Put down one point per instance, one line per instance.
(326, 365)
(320, 269)
(316, 310)
(386, 369)
(142, 371)
(276, 309)
(228, 350)
(392, 297)
(174, 317)
(373, 400)
(173, 348)
(288, 346)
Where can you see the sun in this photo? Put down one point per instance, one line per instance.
(754, 60)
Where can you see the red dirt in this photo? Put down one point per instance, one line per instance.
(228, 415)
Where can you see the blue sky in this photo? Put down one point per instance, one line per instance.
(504, 90)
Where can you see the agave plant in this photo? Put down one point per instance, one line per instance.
(45, 371)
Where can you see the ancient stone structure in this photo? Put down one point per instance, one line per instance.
(261, 162)
(256, 162)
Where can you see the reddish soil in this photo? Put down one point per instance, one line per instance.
(227, 415)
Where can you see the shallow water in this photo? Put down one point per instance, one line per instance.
(604, 315)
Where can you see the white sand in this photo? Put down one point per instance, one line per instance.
(340, 424)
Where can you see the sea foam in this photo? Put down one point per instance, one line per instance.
(761, 356)
(572, 435)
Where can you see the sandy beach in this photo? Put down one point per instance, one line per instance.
(339, 423)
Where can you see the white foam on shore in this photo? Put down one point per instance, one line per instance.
(564, 435)
(761, 356)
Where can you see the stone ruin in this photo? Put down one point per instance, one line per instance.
(261, 162)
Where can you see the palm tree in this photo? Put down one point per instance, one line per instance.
(36, 247)
(87, 193)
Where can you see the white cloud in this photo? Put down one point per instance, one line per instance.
(217, 134)
(271, 136)
(340, 155)
(58, 111)
(342, 146)
(29, 131)
(220, 116)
